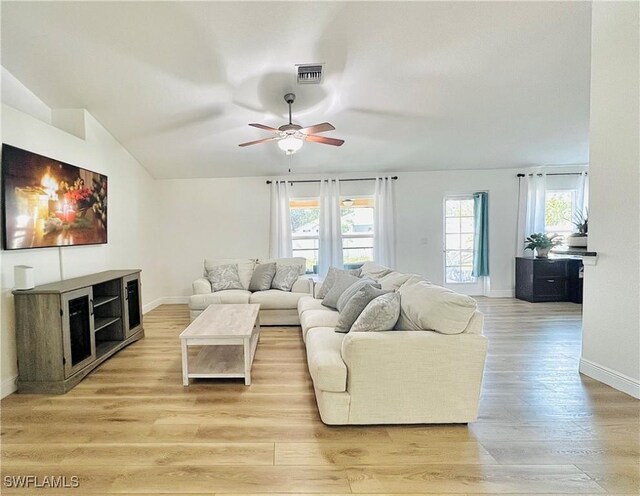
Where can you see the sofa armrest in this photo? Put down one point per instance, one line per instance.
(423, 374)
(201, 286)
(303, 285)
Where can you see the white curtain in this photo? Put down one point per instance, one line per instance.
(384, 238)
(582, 195)
(280, 235)
(531, 199)
(330, 248)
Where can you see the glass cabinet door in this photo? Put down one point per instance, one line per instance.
(77, 330)
(132, 304)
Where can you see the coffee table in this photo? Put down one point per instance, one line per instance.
(228, 335)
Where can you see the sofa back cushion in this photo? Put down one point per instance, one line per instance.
(224, 277)
(425, 306)
(381, 314)
(353, 289)
(375, 271)
(393, 280)
(245, 268)
(262, 277)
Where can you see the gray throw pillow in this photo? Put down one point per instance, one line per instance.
(262, 277)
(342, 281)
(286, 276)
(223, 277)
(353, 289)
(330, 279)
(356, 305)
(381, 314)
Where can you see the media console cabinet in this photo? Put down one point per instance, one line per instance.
(66, 329)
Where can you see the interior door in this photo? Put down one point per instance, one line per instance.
(78, 330)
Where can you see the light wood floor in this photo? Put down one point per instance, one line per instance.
(131, 427)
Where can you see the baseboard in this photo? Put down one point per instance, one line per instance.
(501, 293)
(165, 300)
(610, 377)
(8, 386)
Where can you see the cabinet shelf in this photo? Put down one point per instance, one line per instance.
(101, 300)
(102, 322)
(103, 347)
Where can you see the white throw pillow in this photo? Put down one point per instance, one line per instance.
(381, 314)
(245, 267)
(425, 306)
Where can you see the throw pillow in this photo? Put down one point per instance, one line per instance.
(285, 276)
(299, 262)
(262, 277)
(381, 314)
(342, 281)
(330, 279)
(356, 305)
(245, 267)
(393, 280)
(224, 277)
(353, 289)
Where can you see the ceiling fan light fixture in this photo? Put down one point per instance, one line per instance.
(290, 144)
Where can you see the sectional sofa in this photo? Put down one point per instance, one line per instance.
(428, 370)
(404, 376)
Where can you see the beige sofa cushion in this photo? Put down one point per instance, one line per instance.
(274, 299)
(202, 301)
(393, 280)
(425, 306)
(375, 271)
(245, 267)
(318, 318)
(324, 357)
(308, 302)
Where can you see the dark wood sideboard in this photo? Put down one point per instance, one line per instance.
(549, 279)
(66, 329)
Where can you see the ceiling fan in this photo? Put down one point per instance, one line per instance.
(291, 136)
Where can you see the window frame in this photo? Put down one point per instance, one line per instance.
(368, 235)
(574, 194)
(459, 196)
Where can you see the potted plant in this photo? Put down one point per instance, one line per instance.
(541, 243)
(579, 239)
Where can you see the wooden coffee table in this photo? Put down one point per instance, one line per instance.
(228, 335)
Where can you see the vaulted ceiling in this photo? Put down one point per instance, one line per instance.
(409, 86)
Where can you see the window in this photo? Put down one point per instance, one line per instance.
(458, 244)
(356, 217)
(357, 231)
(559, 211)
(305, 226)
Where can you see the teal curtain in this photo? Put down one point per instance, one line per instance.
(481, 234)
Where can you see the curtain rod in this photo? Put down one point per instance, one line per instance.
(341, 180)
(555, 174)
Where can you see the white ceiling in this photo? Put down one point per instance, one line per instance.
(409, 86)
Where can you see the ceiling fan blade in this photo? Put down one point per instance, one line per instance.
(258, 141)
(318, 128)
(267, 128)
(324, 140)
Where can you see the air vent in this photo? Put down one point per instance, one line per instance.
(309, 73)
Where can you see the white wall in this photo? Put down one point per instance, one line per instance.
(133, 211)
(611, 322)
(230, 218)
